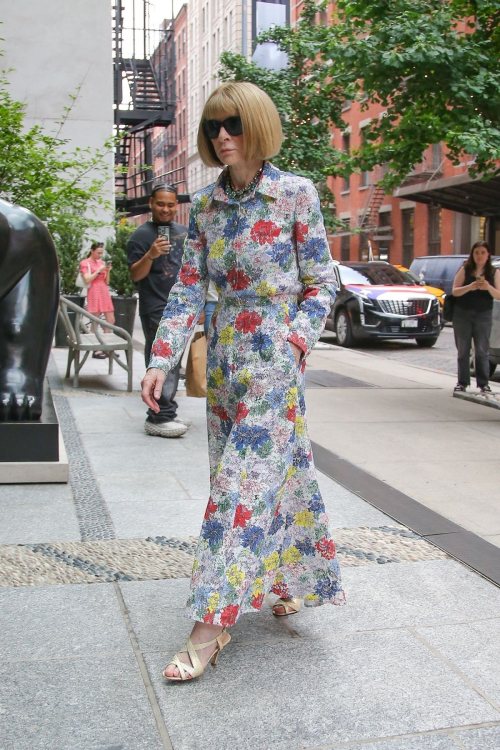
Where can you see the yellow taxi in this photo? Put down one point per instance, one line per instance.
(417, 280)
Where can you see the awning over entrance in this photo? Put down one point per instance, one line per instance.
(459, 193)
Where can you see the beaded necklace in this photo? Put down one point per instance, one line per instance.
(231, 192)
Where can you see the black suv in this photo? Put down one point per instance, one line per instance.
(375, 301)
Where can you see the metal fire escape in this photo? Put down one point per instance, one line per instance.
(144, 97)
(368, 219)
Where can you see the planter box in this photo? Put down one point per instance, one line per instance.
(125, 308)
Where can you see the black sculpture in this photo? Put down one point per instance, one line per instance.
(29, 299)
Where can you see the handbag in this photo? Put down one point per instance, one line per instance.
(80, 283)
(196, 367)
(449, 304)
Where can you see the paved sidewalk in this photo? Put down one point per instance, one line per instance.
(401, 424)
(94, 576)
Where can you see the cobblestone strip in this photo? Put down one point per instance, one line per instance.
(162, 557)
(93, 516)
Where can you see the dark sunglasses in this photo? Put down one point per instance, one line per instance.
(231, 125)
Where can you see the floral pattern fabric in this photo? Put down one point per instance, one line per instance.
(265, 527)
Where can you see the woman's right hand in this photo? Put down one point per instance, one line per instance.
(152, 385)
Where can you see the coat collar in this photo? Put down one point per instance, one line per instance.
(269, 185)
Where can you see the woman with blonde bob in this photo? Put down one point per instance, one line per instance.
(258, 234)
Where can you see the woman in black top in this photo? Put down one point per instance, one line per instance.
(475, 287)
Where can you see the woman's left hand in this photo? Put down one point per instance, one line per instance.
(297, 352)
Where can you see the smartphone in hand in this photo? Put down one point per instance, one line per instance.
(164, 233)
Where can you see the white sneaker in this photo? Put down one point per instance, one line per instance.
(171, 429)
(186, 422)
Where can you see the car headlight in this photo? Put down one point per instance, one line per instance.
(367, 302)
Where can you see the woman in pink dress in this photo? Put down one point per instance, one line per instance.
(96, 275)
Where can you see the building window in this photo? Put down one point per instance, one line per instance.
(434, 234)
(363, 247)
(346, 148)
(365, 175)
(345, 243)
(437, 155)
(408, 216)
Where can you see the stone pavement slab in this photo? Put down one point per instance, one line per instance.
(76, 704)
(48, 622)
(349, 688)
(422, 742)
(480, 739)
(474, 647)
(50, 504)
(404, 595)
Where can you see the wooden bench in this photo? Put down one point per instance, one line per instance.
(86, 336)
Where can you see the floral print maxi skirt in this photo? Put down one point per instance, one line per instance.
(265, 527)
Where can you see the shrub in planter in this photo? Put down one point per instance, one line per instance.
(125, 301)
(68, 233)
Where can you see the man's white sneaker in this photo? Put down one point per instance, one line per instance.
(171, 429)
(186, 422)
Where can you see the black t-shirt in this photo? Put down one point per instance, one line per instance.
(155, 287)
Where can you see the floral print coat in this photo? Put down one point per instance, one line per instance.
(265, 527)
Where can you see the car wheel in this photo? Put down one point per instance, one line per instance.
(472, 362)
(427, 343)
(343, 329)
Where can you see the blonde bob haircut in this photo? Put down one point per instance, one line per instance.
(259, 117)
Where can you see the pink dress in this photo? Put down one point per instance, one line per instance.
(98, 296)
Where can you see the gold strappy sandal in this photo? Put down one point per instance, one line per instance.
(197, 667)
(291, 606)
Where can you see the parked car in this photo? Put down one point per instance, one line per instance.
(411, 277)
(375, 301)
(439, 270)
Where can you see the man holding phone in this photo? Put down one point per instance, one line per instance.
(154, 253)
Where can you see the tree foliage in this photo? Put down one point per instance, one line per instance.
(432, 65)
(116, 252)
(62, 187)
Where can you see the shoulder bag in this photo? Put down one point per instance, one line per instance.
(449, 303)
(80, 283)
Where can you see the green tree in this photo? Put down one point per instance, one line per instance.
(431, 64)
(69, 242)
(299, 94)
(63, 188)
(116, 252)
(433, 67)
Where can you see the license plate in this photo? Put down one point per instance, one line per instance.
(409, 323)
